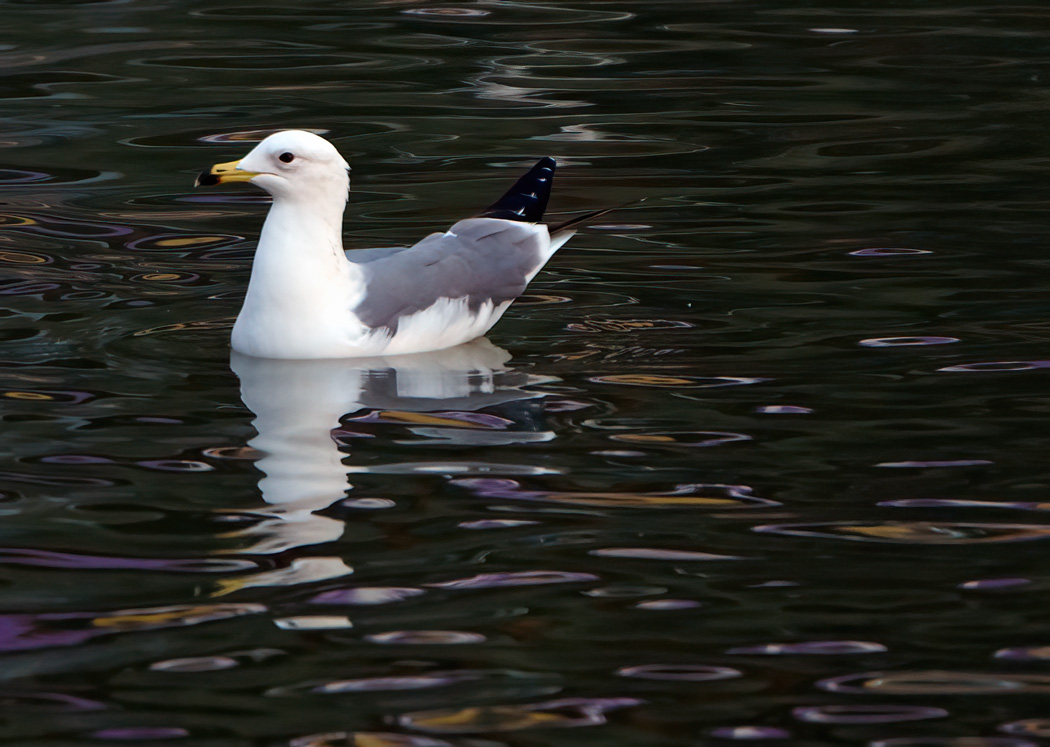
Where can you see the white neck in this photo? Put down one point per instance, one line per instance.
(301, 284)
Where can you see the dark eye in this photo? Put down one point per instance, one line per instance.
(286, 157)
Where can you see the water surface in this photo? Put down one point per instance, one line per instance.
(761, 458)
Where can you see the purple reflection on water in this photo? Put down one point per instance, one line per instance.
(137, 733)
(996, 366)
(496, 523)
(659, 553)
(367, 504)
(75, 459)
(668, 604)
(21, 632)
(1033, 727)
(962, 503)
(176, 465)
(993, 584)
(1026, 653)
(496, 487)
(566, 405)
(866, 714)
(519, 578)
(952, 742)
(367, 595)
(750, 732)
(426, 637)
(719, 495)
(937, 682)
(783, 410)
(54, 559)
(19, 176)
(27, 288)
(936, 463)
(683, 672)
(21, 477)
(894, 342)
(378, 738)
(407, 682)
(58, 702)
(819, 648)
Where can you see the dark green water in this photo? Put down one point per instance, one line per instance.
(762, 458)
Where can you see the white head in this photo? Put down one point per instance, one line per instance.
(293, 164)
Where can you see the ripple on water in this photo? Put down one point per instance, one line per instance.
(952, 742)
(695, 439)
(564, 713)
(1026, 653)
(626, 325)
(496, 524)
(658, 381)
(379, 684)
(231, 62)
(994, 584)
(658, 553)
(426, 637)
(897, 251)
(996, 367)
(367, 595)
(940, 463)
(938, 682)
(810, 648)
(314, 622)
(749, 733)
(453, 468)
(964, 503)
(48, 702)
(783, 410)
(541, 15)
(912, 533)
(140, 733)
(680, 672)
(688, 495)
(166, 242)
(516, 578)
(1031, 727)
(369, 738)
(896, 342)
(195, 664)
(668, 604)
(447, 12)
(866, 714)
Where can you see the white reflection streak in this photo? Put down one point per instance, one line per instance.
(298, 403)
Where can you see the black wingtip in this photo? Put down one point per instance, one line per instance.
(527, 199)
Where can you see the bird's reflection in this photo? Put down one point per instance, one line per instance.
(297, 404)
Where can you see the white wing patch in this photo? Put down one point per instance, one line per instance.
(445, 323)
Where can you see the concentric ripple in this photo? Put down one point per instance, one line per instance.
(913, 532)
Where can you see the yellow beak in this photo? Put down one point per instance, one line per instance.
(221, 173)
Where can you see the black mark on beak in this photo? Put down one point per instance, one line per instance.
(206, 179)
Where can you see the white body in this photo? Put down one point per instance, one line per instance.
(303, 291)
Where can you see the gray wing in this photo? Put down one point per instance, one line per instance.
(364, 256)
(479, 259)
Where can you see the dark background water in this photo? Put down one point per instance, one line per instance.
(767, 459)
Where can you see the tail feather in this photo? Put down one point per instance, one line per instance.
(527, 199)
(573, 223)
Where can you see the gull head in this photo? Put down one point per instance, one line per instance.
(292, 164)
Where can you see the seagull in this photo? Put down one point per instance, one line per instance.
(308, 298)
